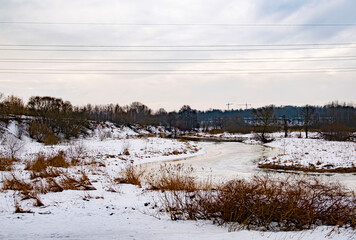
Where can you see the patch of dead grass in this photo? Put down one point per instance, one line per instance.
(173, 177)
(6, 163)
(131, 175)
(264, 203)
(310, 168)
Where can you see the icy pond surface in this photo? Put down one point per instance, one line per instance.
(228, 160)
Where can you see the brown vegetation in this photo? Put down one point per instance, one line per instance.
(131, 175)
(82, 183)
(17, 184)
(264, 203)
(18, 209)
(41, 163)
(310, 168)
(172, 177)
(336, 132)
(264, 122)
(6, 163)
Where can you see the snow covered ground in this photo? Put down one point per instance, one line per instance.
(128, 214)
(313, 153)
(122, 211)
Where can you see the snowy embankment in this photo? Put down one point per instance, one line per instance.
(112, 210)
(130, 213)
(106, 147)
(312, 155)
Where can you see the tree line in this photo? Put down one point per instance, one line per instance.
(56, 118)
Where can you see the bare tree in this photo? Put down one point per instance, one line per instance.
(12, 145)
(264, 120)
(308, 113)
(285, 125)
(103, 133)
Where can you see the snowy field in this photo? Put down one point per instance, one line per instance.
(128, 214)
(314, 154)
(123, 211)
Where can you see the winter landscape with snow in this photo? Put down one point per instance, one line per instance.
(174, 120)
(89, 198)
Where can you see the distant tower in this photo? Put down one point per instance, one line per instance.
(228, 105)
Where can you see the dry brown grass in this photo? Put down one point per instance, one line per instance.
(38, 202)
(173, 177)
(264, 203)
(38, 165)
(131, 175)
(64, 182)
(30, 189)
(216, 131)
(58, 160)
(17, 184)
(45, 167)
(126, 149)
(51, 185)
(6, 163)
(310, 168)
(18, 209)
(26, 190)
(82, 183)
(47, 173)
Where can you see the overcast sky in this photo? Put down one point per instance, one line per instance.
(218, 23)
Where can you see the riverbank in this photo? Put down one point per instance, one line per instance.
(297, 153)
(98, 206)
(312, 155)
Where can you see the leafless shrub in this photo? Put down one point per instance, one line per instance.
(43, 133)
(126, 148)
(37, 200)
(173, 177)
(82, 183)
(38, 164)
(18, 209)
(51, 185)
(48, 172)
(64, 182)
(41, 163)
(310, 168)
(104, 134)
(51, 140)
(336, 132)
(131, 175)
(264, 203)
(77, 152)
(17, 184)
(58, 160)
(12, 145)
(111, 185)
(263, 138)
(6, 163)
(19, 131)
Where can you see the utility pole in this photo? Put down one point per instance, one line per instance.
(244, 104)
(228, 105)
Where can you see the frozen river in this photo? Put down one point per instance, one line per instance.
(228, 160)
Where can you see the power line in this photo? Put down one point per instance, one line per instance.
(178, 59)
(175, 46)
(167, 50)
(182, 24)
(179, 73)
(172, 70)
(180, 62)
